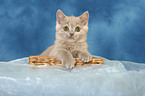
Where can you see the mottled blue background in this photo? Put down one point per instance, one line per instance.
(116, 27)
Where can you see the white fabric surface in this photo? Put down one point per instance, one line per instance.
(114, 78)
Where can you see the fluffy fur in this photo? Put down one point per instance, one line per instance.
(70, 44)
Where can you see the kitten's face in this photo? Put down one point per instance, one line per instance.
(70, 28)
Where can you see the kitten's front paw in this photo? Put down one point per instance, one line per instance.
(68, 62)
(86, 57)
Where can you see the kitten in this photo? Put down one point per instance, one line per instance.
(70, 43)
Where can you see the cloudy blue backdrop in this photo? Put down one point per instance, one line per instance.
(116, 27)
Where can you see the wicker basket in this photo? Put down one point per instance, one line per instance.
(43, 60)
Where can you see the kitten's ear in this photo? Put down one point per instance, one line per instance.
(60, 16)
(84, 18)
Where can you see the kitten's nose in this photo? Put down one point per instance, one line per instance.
(71, 34)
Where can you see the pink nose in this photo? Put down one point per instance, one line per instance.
(71, 34)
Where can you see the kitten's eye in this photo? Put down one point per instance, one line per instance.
(77, 29)
(65, 28)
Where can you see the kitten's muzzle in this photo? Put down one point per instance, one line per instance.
(71, 34)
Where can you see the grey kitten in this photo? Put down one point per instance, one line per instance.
(70, 43)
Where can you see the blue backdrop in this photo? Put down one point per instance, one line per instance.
(116, 27)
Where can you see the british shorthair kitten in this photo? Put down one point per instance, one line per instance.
(70, 43)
